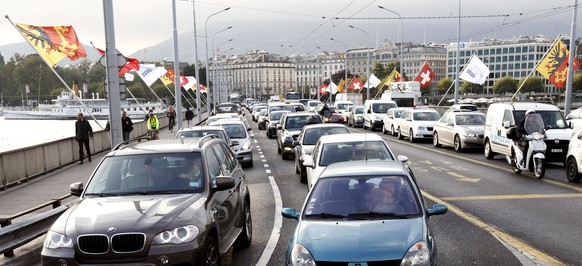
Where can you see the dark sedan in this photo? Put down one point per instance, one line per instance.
(288, 130)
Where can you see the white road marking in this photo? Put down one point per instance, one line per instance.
(264, 160)
(276, 232)
(268, 171)
(266, 165)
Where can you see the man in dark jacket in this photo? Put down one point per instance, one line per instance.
(126, 125)
(83, 131)
(189, 115)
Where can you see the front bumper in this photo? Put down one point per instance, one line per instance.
(175, 255)
(244, 156)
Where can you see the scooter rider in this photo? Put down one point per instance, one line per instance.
(525, 127)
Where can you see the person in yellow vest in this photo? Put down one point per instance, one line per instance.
(153, 125)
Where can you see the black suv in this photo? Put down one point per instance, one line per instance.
(164, 202)
(289, 128)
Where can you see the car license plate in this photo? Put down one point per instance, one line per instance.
(556, 150)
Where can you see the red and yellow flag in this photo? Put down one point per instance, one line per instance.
(554, 66)
(393, 77)
(166, 79)
(53, 43)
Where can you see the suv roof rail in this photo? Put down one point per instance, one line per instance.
(127, 142)
(205, 139)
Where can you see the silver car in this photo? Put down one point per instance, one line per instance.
(459, 130)
(241, 136)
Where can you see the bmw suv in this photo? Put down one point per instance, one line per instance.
(142, 206)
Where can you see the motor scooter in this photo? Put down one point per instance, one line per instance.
(535, 158)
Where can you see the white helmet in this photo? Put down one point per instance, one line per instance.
(530, 111)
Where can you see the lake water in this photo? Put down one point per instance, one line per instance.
(16, 134)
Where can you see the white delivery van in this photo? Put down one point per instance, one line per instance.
(502, 116)
(375, 111)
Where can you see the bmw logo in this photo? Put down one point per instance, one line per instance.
(557, 141)
(111, 229)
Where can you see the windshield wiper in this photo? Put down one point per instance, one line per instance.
(324, 215)
(101, 194)
(363, 215)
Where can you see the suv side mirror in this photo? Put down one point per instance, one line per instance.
(76, 189)
(224, 183)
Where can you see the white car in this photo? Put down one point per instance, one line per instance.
(575, 119)
(215, 118)
(574, 158)
(345, 147)
(240, 136)
(417, 124)
(256, 112)
(392, 119)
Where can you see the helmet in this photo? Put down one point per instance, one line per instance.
(530, 112)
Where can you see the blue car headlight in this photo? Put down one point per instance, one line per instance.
(54, 240)
(300, 256)
(179, 235)
(416, 255)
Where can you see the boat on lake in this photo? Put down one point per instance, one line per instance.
(66, 107)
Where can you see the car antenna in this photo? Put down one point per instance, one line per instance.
(366, 146)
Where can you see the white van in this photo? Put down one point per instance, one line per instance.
(375, 111)
(502, 116)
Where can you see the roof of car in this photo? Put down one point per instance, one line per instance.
(325, 125)
(523, 106)
(302, 113)
(200, 128)
(422, 110)
(364, 168)
(228, 122)
(348, 137)
(161, 146)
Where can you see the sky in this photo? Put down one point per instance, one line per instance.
(292, 27)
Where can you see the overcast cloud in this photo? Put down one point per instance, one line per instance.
(298, 26)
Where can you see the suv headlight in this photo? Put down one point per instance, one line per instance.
(418, 254)
(54, 240)
(300, 256)
(421, 127)
(179, 235)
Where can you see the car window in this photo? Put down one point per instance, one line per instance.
(312, 135)
(426, 116)
(149, 173)
(382, 107)
(214, 166)
(235, 131)
(202, 133)
(227, 165)
(470, 120)
(362, 195)
(354, 151)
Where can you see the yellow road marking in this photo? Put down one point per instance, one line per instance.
(464, 178)
(511, 240)
(506, 197)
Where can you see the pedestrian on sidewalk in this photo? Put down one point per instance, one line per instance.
(83, 132)
(171, 117)
(189, 116)
(126, 125)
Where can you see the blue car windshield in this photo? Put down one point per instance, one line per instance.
(369, 195)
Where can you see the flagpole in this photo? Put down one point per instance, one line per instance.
(56, 74)
(572, 54)
(138, 103)
(458, 74)
(534, 68)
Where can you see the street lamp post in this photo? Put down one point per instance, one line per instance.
(401, 36)
(206, 46)
(368, 61)
(213, 68)
(345, 61)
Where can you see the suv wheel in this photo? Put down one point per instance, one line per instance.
(211, 252)
(246, 236)
(572, 170)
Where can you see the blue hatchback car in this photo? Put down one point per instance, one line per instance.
(363, 213)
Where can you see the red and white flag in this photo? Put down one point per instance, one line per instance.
(356, 84)
(425, 76)
(323, 89)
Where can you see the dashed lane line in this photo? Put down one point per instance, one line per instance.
(510, 197)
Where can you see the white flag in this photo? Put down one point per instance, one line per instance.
(191, 82)
(150, 73)
(475, 71)
(372, 82)
(85, 89)
(128, 76)
(332, 87)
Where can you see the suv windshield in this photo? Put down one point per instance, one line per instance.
(146, 174)
(235, 131)
(552, 119)
(382, 107)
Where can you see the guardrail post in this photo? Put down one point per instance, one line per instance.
(3, 223)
